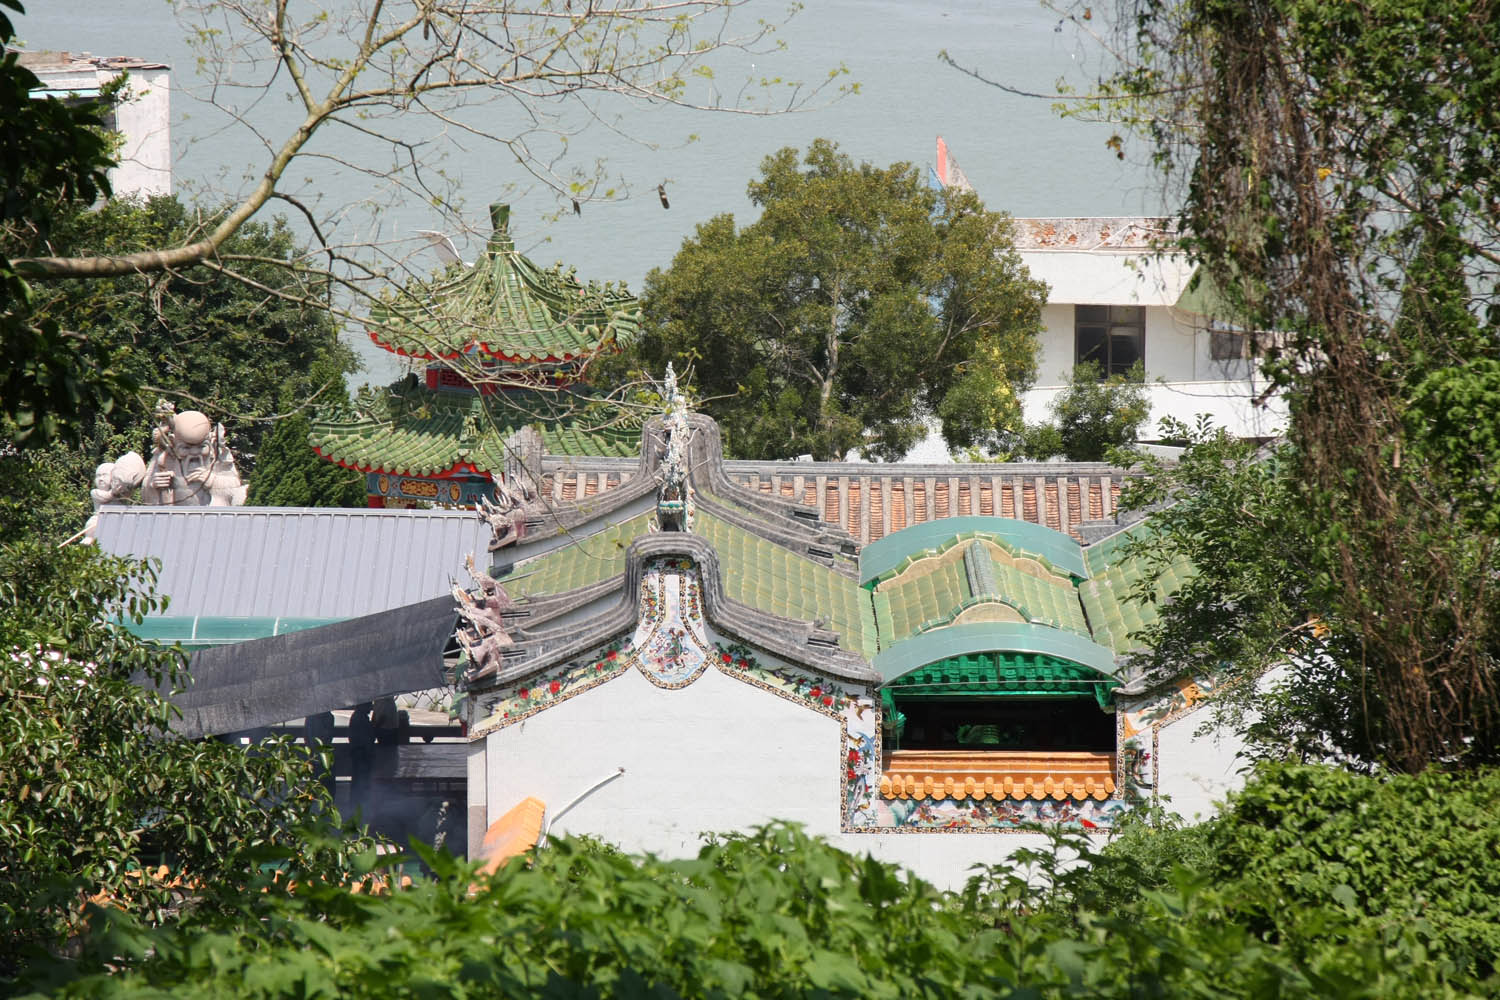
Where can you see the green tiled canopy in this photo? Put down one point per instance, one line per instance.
(411, 430)
(1113, 578)
(994, 672)
(506, 307)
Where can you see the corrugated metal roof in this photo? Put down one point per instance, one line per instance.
(293, 561)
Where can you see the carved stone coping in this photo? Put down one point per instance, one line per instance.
(997, 774)
(792, 640)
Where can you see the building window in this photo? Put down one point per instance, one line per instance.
(1225, 345)
(1112, 337)
(1236, 345)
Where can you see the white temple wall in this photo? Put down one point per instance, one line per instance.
(1195, 772)
(944, 859)
(716, 755)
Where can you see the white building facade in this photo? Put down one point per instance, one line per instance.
(141, 114)
(1116, 297)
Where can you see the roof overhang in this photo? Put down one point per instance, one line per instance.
(895, 550)
(961, 640)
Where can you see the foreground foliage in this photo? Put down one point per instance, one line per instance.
(1315, 884)
(94, 790)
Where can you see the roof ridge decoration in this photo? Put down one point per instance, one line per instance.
(674, 496)
(507, 308)
(516, 491)
(546, 632)
(486, 635)
(701, 463)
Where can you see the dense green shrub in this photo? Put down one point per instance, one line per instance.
(1417, 851)
(778, 914)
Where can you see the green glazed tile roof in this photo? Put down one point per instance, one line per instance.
(927, 598)
(756, 572)
(507, 307)
(1114, 577)
(581, 563)
(893, 553)
(934, 599)
(770, 578)
(409, 429)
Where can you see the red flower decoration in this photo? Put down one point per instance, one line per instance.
(554, 687)
(1088, 825)
(853, 756)
(828, 700)
(726, 658)
(611, 655)
(743, 664)
(815, 692)
(524, 693)
(852, 775)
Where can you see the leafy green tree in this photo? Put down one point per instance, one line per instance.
(95, 792)
(1091, 416)
(1338, 170)
(53, 158)
(238, 347)
(860, 303)
(290, 474)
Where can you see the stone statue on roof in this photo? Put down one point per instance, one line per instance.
(114, 482)
(191, 464)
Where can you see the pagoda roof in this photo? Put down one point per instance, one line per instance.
(506, 307)
(409, 429)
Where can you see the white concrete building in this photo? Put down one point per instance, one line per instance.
(1116, 298)
(141, 115)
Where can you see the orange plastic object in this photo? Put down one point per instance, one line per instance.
(512, 834)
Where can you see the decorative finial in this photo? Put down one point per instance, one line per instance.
(674, 498)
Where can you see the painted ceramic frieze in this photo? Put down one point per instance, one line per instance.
(1184, 696)
(996, 815)
(670, 645)
(523, 699)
